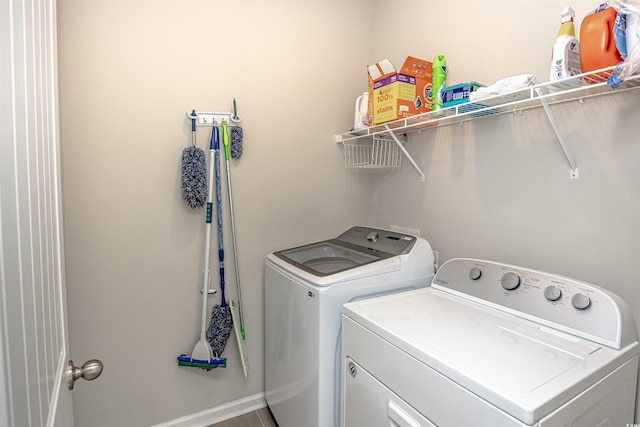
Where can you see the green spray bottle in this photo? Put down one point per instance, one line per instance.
(439, 81)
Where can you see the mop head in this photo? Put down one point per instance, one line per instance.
(235, 145)
(219, 329)
(194, 177)
(186, 360)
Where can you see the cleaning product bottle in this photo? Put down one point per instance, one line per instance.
(439, 81)
(598, 35)
(565, 60)
(361, 114)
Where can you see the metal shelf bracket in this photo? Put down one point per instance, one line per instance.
(573, 173)
(405, 152)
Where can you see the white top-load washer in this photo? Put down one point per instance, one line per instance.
(490, 344)
(305, 288)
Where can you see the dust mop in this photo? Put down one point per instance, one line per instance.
(221, 321)
(194, 171)
(236, 134)
(203, 355)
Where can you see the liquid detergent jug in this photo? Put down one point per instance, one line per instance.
(361, 113)
(597, 42)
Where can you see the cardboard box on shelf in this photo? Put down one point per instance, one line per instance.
(395, 95)
(457, 94)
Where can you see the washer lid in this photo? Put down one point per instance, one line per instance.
(356, 247)
(329, 257)
(525, 369)
(358, 253)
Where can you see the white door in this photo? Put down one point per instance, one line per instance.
(33, 332)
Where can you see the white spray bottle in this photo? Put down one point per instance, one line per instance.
(565, 59)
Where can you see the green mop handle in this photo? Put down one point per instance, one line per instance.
(225, 142)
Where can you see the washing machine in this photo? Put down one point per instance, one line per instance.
(305, 288)
(490, 344)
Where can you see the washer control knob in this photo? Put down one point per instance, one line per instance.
(510, 281)
(475, 273)
(552, 293)
(580, 301)
(373, 236)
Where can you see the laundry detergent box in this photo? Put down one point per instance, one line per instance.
(395, 95)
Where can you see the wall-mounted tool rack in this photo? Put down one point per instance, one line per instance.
(208, 119)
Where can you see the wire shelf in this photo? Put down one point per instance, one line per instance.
(380, 152)
(359, 154)
(578, 87)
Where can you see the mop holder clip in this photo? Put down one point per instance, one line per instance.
(209, 119)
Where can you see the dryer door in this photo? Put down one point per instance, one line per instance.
(368, 402)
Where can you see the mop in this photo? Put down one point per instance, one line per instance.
(236, 312)
(220, 326)
(194, 171)
(202, 355)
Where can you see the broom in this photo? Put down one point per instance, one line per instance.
(236, 312)
(221, 321)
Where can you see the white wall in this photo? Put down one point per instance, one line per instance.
(129, 71)
(496, 188)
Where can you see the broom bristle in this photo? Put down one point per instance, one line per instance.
(219, 329)
(194, 177)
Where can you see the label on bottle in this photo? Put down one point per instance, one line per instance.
(572, 58)
(439, 77)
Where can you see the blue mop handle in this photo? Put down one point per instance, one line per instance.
(215, 139)
(215, 144)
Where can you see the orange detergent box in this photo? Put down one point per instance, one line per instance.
(396, 95)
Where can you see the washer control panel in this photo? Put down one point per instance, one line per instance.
(379, 240)
(558, 302)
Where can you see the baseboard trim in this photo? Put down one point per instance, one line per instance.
(219, 413)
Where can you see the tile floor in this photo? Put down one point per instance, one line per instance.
(260, 418)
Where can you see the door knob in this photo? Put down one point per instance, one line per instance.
(89, 371)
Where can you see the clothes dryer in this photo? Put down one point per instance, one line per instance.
(490, 344)
(305, 288)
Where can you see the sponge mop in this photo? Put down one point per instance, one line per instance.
(221, 318)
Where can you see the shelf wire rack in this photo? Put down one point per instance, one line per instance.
(379, 152)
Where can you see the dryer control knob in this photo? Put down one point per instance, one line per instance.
(475, 273)
(510, 281)
(580, 301)
(372, 237)
(552, 293)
